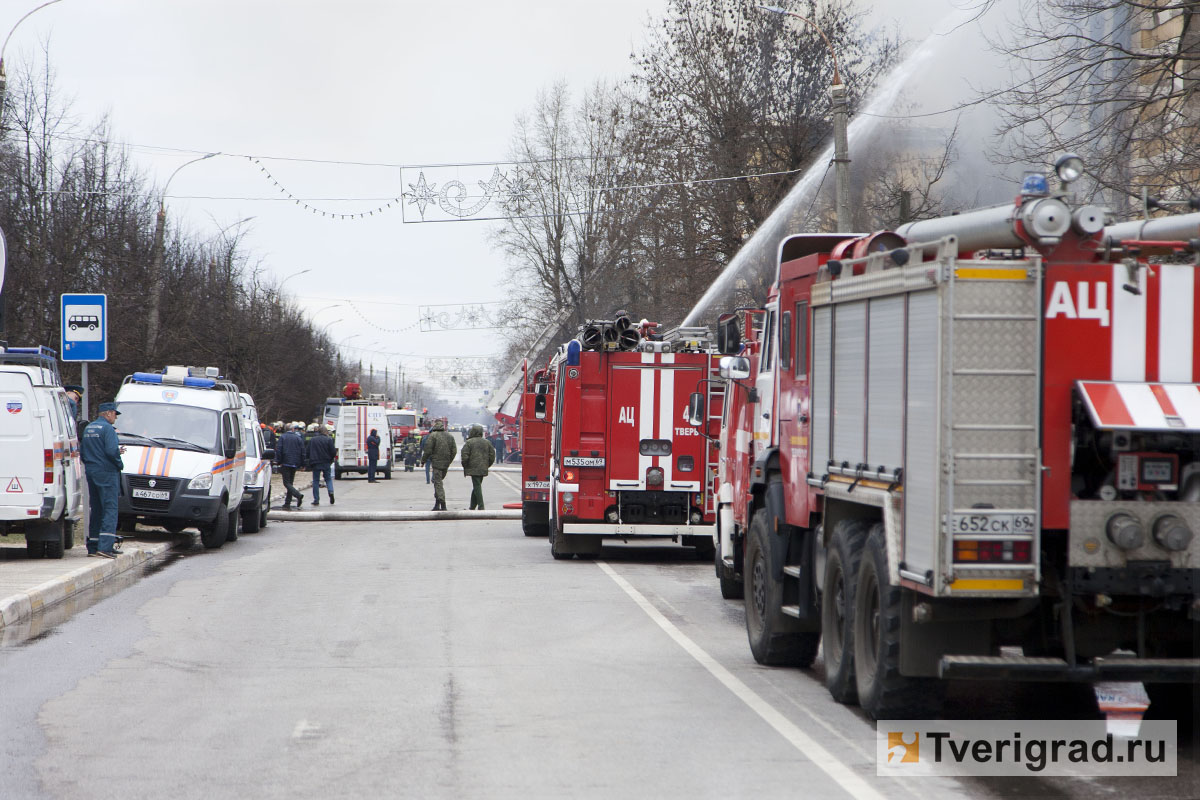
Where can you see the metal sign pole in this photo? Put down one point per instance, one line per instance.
(84, 380)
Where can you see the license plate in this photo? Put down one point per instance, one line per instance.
(152, 494)
(984, 522)
(581, 461)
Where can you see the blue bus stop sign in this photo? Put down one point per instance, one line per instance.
(84, 321)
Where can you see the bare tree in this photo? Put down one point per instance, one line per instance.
(1112, 80)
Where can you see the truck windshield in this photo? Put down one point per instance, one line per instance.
(405, 418)
(196, 426)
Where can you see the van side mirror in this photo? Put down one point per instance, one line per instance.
(729, 337)
(268, 453)
(695, 410)
(735, 368)
(539, 406)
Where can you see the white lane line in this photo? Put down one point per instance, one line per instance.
(505, 479)
(845, 777)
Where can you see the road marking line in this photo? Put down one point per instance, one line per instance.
(845, 777)
(505, 479)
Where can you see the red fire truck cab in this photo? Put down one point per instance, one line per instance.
(537, 417)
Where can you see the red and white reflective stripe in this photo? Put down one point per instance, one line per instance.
(1153, 332)
(666, 405)
(1143, 406)
(1176, 321)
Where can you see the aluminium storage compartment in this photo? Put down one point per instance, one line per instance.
(934, 370)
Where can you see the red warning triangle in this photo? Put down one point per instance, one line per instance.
(14, 486)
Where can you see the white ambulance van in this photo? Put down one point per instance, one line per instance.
(355, 420)
(41, 476)
(256, 494)
(185, 452)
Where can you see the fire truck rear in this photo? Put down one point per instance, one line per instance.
(971, 449)
(625, 463)
(537, 417)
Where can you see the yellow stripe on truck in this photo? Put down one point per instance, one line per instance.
(984, 274)
(987, 585)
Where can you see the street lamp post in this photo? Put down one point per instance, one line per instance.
(841, 142)
(159, 277)
(279, 288)
(3, 75)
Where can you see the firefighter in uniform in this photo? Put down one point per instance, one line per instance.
(101, 454)
(477, 455)
(439, 451)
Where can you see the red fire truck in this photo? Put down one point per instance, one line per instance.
(625, 464)
(970, 449)
(537, 417)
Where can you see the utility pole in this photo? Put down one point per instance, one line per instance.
(841, 156)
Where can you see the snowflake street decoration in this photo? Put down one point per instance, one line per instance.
(460, 318)
(493, 193)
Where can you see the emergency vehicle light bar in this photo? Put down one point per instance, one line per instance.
(155, 377)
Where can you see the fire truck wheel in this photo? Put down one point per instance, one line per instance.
(533, 519)
(558, 545)
(837, 608)
(212, 534)
(773, 638)
(882, 691)
(732, 587)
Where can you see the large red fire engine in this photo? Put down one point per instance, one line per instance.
(537, 417)
(625, 464)
(970, 449)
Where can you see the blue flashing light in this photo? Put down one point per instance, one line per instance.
(1035, 185)
(200, 383)
(573, 349)
(147, 377)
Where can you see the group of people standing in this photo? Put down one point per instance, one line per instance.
(292, 453)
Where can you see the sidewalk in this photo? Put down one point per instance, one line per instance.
(28, 587)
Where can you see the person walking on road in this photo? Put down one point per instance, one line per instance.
(290, 455)
(477, 455)
(439, 451)
(421, 457)
(321, 454)
(373, 441)
(101, 454)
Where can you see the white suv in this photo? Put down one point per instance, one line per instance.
(41, 476)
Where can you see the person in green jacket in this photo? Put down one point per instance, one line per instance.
(440, 450)
(477, 455)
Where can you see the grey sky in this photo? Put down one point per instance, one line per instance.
(362, 80)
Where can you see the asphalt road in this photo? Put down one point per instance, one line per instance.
(446, 659)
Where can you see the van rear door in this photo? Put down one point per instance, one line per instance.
(21, 435)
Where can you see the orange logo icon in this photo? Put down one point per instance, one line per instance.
(906, 752)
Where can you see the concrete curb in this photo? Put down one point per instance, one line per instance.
(389, 516)
(22, 606)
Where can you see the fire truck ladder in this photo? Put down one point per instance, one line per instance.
(713, 410)
(348, 442)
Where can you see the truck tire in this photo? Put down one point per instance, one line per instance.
(882, 691)
(337, 472)
(34, 548)
(232, 534)
(55, 546)
(266, 509)
(212, 534)
(773, 638)
(837, 608)
(732, 587)
(387, 472)
(68, 531)
(251, 520)
(533, 522)
(558, 541)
